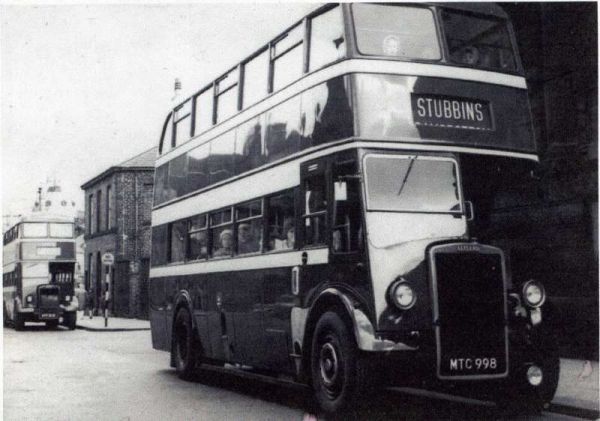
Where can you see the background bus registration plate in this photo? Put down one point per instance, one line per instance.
(48, 316)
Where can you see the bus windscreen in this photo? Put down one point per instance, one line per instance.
(478, 41)
(396, 31)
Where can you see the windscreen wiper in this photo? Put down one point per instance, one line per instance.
(410, 166)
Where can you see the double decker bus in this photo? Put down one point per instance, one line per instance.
(333, 210)
(38, 272)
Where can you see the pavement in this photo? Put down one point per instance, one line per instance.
(114, 324)
(578, 387)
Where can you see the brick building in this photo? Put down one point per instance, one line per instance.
(118, 205)
(559, 236)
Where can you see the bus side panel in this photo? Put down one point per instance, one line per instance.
(278, 303)
(158, 316)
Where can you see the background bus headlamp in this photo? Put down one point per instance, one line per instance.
(29, 299)
(533, 294)
(402, 295)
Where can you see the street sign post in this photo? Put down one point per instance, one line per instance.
(108, 259)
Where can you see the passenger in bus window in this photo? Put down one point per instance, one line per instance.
(226, 240)
(288, 240)
(246, 240)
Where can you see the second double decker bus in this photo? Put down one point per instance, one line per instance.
(333, 209)
(38, 272)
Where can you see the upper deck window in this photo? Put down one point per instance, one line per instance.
(226, 96)
(256, 76)
(411, 184)
(287, 58)
(478, 41)
(326, 38)
(182, 123)
(396, 31)
(61, 230)
(35, 230)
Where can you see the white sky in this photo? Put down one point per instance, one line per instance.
(84, 87)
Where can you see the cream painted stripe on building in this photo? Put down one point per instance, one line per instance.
(9, 289)
(261, 261)
(342, 68)
(287, 175)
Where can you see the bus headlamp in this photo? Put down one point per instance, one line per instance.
(402, 295)
(67, 298)
(534, 294)
(29, 299)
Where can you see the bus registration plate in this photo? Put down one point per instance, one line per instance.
(48, 316)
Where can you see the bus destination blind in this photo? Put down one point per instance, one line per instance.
(451, 112)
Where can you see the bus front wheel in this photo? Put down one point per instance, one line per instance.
(70, 320)
(338, 373)
(185, 346)
(19, 321)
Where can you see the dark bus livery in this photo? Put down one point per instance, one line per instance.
(38, 272)
(331, 210)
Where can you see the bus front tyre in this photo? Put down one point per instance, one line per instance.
(19, 321)
(338, 375)
(52, 324)
(70, 320)
(185, 348)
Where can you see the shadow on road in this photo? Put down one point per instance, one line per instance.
(388, 404)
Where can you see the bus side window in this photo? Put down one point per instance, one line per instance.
(221, 231)
(177, 234)
(197, 238)
(281, 230)
(347, 227)
(315, 211)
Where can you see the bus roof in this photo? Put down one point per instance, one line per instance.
(45, 217)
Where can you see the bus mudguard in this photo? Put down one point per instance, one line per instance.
(304, 320)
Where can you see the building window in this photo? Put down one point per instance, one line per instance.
(109, 207)
(90, 219)
(98, 210)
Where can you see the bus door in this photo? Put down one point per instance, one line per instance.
(347, 232)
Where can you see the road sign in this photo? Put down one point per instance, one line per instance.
(108, 259)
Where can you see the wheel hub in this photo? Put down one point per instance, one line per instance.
(328, 362)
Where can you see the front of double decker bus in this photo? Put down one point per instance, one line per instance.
(442, 105)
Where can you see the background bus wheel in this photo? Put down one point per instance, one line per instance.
(5, 313)
(336, 368)
(70, 320)
(52, 324)
(185, 347)
(19, 321)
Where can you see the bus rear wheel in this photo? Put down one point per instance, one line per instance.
(338, 374)
(185, 347)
